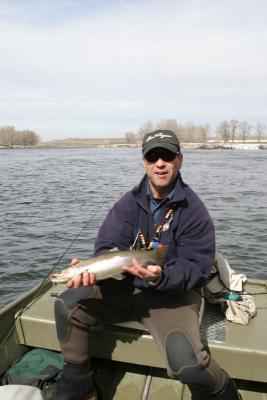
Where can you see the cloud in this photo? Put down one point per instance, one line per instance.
(103, 62)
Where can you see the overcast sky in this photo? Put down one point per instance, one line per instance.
(96, 68)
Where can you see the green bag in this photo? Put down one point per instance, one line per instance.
(38, 367)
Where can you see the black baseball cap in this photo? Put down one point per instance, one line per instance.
(163, 138)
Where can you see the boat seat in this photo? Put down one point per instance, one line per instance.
(241, 350)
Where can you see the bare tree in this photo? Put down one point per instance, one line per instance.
(189, 133)
(29, 138)
(10, 137)
(170, 124)
(203, 133)
(260, 131)
(145, 128)
(223, 130)
(245, 130)
(233, 127)
(131, 137)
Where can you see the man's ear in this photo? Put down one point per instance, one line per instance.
(143, 161)
(181, 158)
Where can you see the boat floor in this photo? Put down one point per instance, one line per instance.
(241, 350)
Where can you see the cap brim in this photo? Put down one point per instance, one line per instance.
(168, 146)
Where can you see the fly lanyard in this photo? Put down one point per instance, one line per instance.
(160, 228)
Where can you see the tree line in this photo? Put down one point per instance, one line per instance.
(199, 133)
(240, 130)
(10, 137)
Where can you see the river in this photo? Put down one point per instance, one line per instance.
(48, 195)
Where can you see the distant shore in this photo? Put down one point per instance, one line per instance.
(225, 146)
(120, 142)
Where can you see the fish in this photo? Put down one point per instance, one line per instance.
(109, 265)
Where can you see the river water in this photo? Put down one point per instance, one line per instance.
(48, 195)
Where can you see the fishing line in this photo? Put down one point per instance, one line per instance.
(45, 281)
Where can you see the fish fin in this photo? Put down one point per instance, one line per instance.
(113, 249)
(119, 277)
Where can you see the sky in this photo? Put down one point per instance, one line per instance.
(101, 68)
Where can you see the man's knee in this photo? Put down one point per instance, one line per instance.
(65, 306)
(184, 363)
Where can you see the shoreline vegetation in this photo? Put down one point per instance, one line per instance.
(122, 142)
(210, 144)
(230, 135)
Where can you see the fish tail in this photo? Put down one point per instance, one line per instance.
(160, 254)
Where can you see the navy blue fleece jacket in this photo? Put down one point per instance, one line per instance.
(190, 238)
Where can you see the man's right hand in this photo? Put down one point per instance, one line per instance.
(84, 279)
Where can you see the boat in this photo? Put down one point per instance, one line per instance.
(128, 365)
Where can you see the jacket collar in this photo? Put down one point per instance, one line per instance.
(140, 192)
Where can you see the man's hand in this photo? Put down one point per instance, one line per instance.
(150, 273)
(84, 279)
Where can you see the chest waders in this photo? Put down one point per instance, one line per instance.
(173, 321)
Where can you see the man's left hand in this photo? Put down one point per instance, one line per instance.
(150, 273)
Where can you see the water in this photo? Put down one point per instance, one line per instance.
(48, 195)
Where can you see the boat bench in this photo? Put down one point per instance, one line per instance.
(241, 350)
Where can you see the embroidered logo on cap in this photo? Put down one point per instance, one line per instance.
(159, 135)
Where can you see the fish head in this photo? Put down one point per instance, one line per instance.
(63, 276)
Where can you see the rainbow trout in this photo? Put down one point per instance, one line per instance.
(109, 265)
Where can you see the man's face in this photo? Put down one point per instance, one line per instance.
(161, 167)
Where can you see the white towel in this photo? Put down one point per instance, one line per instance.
(241, 311)
(226, 280)
(20, 392)
(226, 277)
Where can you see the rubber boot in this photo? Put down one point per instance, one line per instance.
(76, 383)
(228, 393)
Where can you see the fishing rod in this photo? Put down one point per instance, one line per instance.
(46, 279)
(46, 282)
(233, 296)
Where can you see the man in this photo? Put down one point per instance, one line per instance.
(161, 210)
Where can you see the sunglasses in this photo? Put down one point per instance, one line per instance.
(165, 155)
